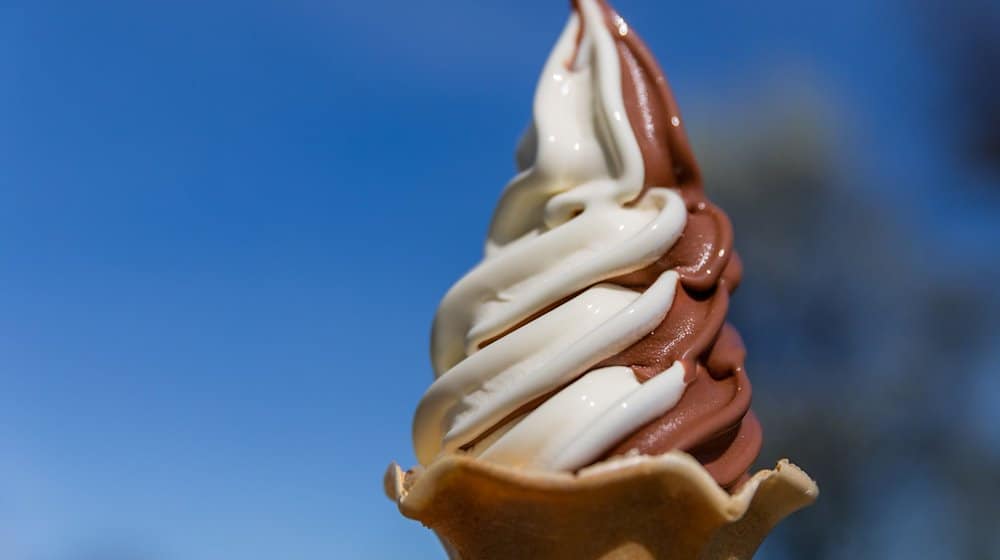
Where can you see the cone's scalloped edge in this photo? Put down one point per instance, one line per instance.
(638, 507)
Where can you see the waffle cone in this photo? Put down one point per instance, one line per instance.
(663, 507)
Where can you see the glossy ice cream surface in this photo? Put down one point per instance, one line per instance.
(595, 324)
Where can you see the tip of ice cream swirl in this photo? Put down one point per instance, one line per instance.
(595, 324)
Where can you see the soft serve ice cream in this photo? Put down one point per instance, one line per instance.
(595, 325)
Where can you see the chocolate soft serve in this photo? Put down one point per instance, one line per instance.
(595, 324)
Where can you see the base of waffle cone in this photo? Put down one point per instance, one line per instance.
(662, 507)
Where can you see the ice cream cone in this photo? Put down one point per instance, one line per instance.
(641, 507)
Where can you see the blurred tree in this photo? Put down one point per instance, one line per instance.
(962, 37)
(861, 350)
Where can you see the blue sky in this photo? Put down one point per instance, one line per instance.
(225, 227)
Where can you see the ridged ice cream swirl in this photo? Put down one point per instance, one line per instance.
(595, 324)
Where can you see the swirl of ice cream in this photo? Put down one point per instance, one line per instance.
(595, 324)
